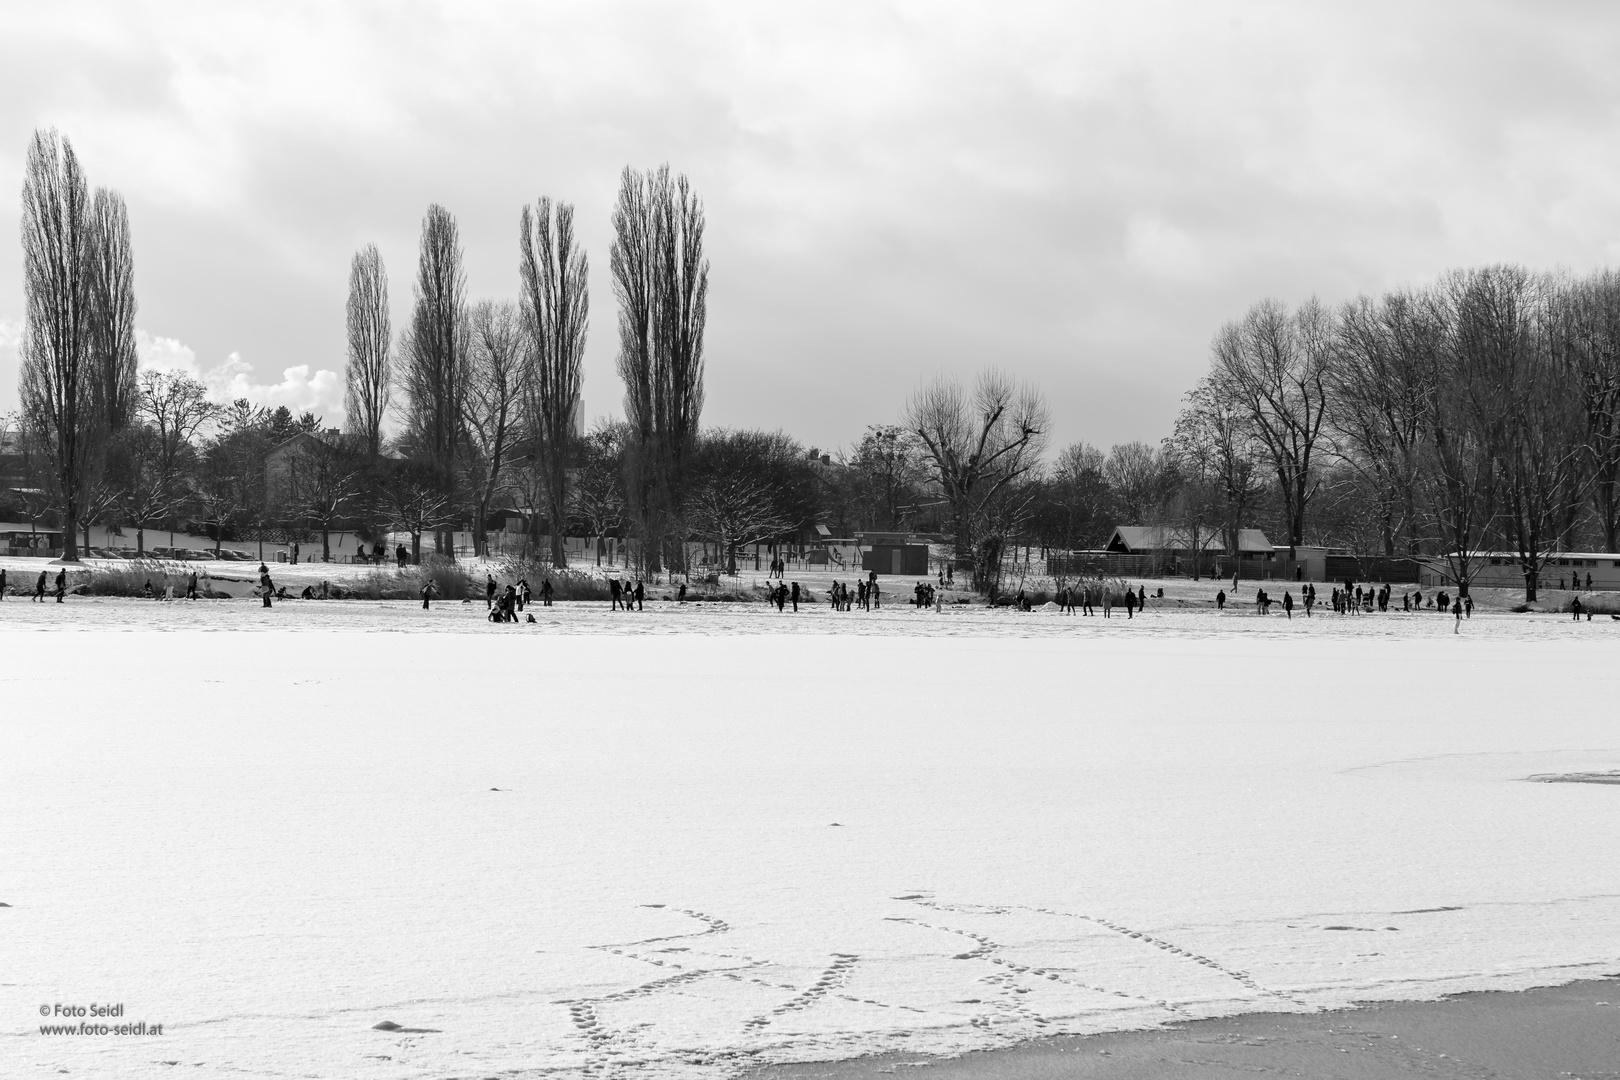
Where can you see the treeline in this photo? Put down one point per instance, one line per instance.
(1478, 413)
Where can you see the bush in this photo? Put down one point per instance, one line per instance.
(130, 579)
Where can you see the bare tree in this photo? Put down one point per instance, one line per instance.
(734, 510)
(1590, 360)
(494, 398)
(1272, 366)
(1136, 472)
(112, 312)
(57, 384)
(556, 310)
(975, 448)
(598, 493)
(661, 280)
(1213, 426)
(367, 374)
(1382, 384)
(416, 503)
(434, 355)
(325, 477)
(170, 409)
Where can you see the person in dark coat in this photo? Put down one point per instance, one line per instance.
(39, 588)
(191, 586)
(545, 593)
(1220, 600)
(266, 587)
(427, 593)
(682, 597)
(641, 595)
(1130, 604)
(614, 593)
(2, 583)
(61, 584)
(795, 595)
(1141, 597)
(401, 554)
(1456, 613)
(489, 591)
(1288, 603)
(1575, 609)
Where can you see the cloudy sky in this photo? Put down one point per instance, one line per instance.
(1079, 193)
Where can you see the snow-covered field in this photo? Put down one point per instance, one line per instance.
(683, 841)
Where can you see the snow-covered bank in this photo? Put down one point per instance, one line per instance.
(594, 847)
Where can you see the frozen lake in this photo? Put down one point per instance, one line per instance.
(740, 839)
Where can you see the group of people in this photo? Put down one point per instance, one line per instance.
(504, 605)
(1352, 599)
(1087, 598)
(167, 592)
(867, 596)
(41, 586)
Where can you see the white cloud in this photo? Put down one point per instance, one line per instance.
(302, 388)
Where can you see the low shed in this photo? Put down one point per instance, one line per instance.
(910, 560)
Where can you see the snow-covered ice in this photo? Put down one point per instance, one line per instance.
(626, 853)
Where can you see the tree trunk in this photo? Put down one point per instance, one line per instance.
(1529, 586)
(140, 542)
(326, 543)
(70, 533)
(416, 549)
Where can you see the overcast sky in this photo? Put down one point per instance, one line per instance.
(1080, 193)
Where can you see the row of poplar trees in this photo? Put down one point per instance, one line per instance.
(77, 381)
(489, 392)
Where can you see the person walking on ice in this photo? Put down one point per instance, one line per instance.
(489, 592)
(795, 595)
(39, 588)
(266, 587)
(1288, 603)
(61, 584)
(427, 593)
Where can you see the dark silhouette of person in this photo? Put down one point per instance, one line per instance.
(191, 586)
(682, 595)
(266, 586)
(489, 590)
(1220, 600)
(1468, 607)
(427, 593)
(1589, 581)
(1141, 597)
(401, 554)
(614, 593)
(1288, 603)
(795, 596)
(1456, 613)
(39, 588)
(61, 584)
(295, 553)
(1130, 604)
(1575, 608)
(874, 595)
(2, 583)
(641, 594)
(545, 592)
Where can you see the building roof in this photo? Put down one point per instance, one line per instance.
(1138, 539)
